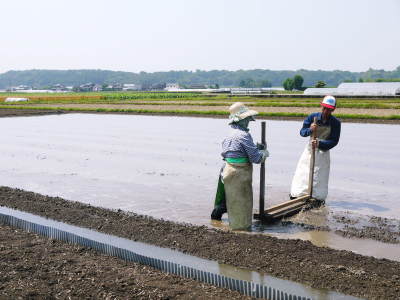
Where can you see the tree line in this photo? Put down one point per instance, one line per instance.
(221, 78)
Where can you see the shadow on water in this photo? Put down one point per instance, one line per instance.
(357, 205)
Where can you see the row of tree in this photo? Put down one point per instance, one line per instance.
(295, 83)
(224, 78)
(251, 83)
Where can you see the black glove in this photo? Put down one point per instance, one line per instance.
(261, 146)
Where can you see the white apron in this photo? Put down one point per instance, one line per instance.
(321, 169)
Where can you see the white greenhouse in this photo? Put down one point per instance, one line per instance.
(358, 89)
(11, 99)
(321, 91)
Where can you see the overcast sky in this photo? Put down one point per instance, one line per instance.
(163, 35)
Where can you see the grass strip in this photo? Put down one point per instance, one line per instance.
(165, 97)
(85, 100)
(196, 112)
(341, 105)
(340, 116)
(257, 104)
(168, 96)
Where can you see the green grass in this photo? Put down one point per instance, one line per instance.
(169, 96)
(207, 102)
(196, 99)
(89, 94)
(195, 112)
(128, 96)
(361, 116)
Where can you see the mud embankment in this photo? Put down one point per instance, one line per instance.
(297, 260)
(159, 106)
(33, 267)
(10, 112)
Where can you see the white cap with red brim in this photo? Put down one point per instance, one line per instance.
(329, 102)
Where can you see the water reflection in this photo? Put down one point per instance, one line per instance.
(286, 286)
(329, 239)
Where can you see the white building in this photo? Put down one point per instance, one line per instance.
(172, 87)
(130, 87)
(11, 99)
(358, 89)
(22, 88)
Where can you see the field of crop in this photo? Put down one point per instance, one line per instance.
(203, 104)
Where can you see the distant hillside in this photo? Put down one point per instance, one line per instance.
(43, 78)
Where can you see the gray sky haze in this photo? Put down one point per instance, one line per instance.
(163, 35)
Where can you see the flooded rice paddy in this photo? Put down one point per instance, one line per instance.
(167, 167)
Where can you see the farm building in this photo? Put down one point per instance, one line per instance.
(172, 86)
(358, 89)
(11, 99)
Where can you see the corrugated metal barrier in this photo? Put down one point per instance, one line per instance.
(244, 287)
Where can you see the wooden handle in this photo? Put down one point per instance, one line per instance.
(312, 162)
(262, 173)
(314, 133)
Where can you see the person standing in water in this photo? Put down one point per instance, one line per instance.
(235, 182)
(328, 129)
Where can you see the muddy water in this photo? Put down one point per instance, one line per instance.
(167, 167)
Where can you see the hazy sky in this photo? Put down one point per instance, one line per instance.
(163, 35)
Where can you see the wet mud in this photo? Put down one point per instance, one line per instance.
(297, 260)
(376, 228)
(349, 225)
(9, 112)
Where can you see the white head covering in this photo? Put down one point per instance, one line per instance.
(329, 102)
(238, 111)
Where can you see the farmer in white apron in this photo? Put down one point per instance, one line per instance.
(328, 134)
(235, 183)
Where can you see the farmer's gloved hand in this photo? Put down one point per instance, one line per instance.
(260, 146)
(313, 127)
(265, 154)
